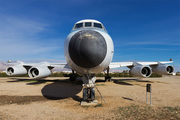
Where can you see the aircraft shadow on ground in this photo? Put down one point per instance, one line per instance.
(126, 81)
(58, 89)
(62, 89)
(37, 81)
(127, 98)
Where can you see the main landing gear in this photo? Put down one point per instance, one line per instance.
(107, 77)
(73, 77)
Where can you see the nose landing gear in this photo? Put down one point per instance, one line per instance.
(89, 90)
(89, 94)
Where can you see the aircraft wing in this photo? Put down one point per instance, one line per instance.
(130, 64)
(145, 69)
(34, 70)
(60, 65)
(120, 64)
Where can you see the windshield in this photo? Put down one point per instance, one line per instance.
(78, 25)
(88, 24)
(98, 25)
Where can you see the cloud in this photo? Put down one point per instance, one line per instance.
(149, 48)
(47, 60)
(20, 38)
(150, 43)
(13, 27)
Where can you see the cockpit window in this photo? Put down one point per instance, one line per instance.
(88, 24)
(97, 25)
(78, 25)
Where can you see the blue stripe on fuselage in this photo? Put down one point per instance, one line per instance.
(96, 29)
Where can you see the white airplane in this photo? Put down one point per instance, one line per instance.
(88, 50)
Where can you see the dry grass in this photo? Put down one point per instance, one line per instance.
(5, 99)
(22, 98)
(147, 112)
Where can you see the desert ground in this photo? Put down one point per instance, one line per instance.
(59, 99)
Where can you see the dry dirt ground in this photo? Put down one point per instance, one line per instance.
(59, 99)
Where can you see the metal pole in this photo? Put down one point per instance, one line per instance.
(150, 95)
(146, 97)
(148, 89)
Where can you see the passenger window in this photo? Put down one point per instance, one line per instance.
(88, 24)
(78, 25)
(97, 25)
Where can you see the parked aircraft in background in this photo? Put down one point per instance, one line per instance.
(88, 50)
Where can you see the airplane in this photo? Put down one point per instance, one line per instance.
(89, 50)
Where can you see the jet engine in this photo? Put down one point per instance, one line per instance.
(39, 72)
(16, 70)
(163, 69)
(140, 71)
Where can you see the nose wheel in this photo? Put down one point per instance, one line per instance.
(89, 90)
(89, 94)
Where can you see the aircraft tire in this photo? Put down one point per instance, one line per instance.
(108, 79)
(92, 93)
(85, 94)
(72, 79)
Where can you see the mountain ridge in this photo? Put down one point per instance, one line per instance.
(3, 66)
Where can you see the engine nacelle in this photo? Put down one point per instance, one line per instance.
(39, 72)
(140, 71)
(163, 69)
(16, 70)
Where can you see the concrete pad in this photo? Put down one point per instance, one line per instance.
(85, 103)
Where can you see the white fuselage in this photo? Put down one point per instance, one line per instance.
(95, 69)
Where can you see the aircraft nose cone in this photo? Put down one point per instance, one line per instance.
(87, 48)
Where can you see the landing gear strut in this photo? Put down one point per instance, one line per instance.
(73, 77)
(107, 77)
(89, 90)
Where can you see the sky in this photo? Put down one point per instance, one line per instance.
(142, 30)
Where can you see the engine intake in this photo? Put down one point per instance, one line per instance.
(16, 70)
(163, 69)
(39, 72)
(140, 71)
